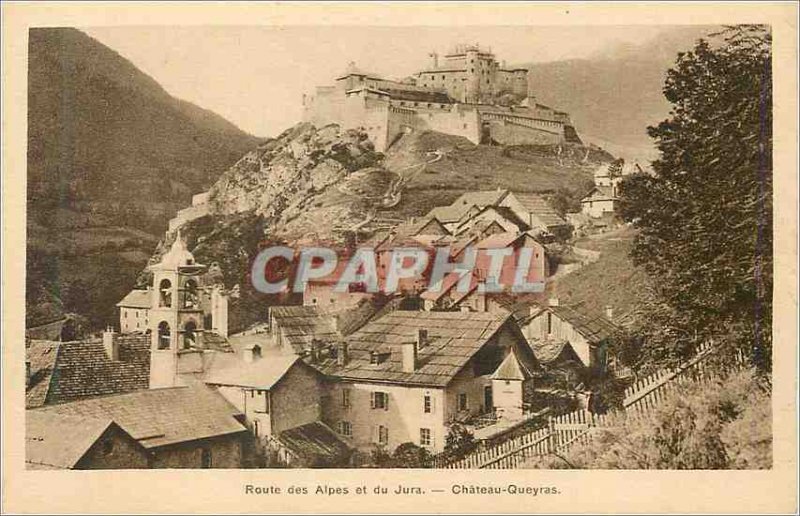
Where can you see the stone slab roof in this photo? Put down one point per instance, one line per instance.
(159, 417)
(136, 299)
(302, 324)
(453, 339)
(68, 371)
(57, 441)
(511, 369)
(594, 327)
(541, 208)
(263, 373)
(315, 442)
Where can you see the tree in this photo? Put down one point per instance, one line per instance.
(705, 216)
(459, 442)
(409, 455)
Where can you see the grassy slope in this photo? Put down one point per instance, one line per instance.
(613, 280)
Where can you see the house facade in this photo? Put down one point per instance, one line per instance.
(407, 376)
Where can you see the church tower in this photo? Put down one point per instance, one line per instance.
(175, 318)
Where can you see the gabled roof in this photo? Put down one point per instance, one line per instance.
(80, 369)
(548, 351)
(136, 299)
(594, 327)
(262, 373)
(453, 339)
(511, 369)
(158, 417)
(505, 239)
(315, 442)
(56, 441)
(599, 193)
(505, 212)
(41, 355)
(434, 97)
(540, 208)
(300, 325)
(467, 200)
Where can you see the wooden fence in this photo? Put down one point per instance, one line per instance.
(572, 428)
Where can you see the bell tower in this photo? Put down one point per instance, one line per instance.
(176, 318)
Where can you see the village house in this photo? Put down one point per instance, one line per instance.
(512, 211)
(281, 398)
(587, 333)
(601, 200)
(406, 376)
(180, 427)
(57, 441)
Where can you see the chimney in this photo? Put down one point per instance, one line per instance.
(341, 353)
(251, 353)
(553, 301)
(110, 343)
(409, 356)
(314, 352)
(610, 312)
(422, 338)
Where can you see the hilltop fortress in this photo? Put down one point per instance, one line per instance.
(469, 93)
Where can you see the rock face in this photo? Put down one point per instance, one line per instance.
(301, 169)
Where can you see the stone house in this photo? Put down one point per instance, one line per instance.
(179, 427)
(406, 376)
(586, 332)
(58, 441)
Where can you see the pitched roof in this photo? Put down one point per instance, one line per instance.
(81, 369)
(262, 373)
(453, 338)
(600, 192)
(541, 208)
(436, 97)
(511, 369)
(136, 299)
(547, 351)
(595, 327)
(300, 325)
(314, 442)
(41, 355)
(467, 200)
(158, 417)
(57, 441)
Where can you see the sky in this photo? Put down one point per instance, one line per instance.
(255, 76)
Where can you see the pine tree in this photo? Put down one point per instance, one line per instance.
(705, 215)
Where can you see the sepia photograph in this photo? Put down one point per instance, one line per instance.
(478, 246)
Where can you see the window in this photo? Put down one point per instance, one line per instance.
(165, 289)
(383, 434)
(425, 436)
(427, 404)
(163, 335)
(549, 323)
(190, 294)
(345, 398)
(125, 314)
(380, 400)
(462, 401)
(346, 428)
(190, 335)
(205, 458)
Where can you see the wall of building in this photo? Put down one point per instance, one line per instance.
(596, 208)
(404, 417)
(133, 319)
(507, 396)
(226, 452)
(559, 330)
(114, 450)
(296, 399)
(252, 403)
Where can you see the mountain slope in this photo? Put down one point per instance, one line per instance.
(111, 157)
(613, 97)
